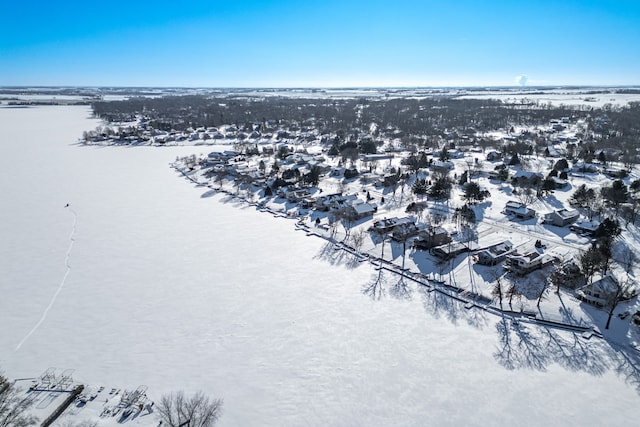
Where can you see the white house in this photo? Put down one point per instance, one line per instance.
(583, 226)
(527, 262)
(360, 209)
(518, 210)
(561, 217)
(598, 293)
(449, 250)
(386, 225)
(431, 237)
(297, 194)
(440, 165)
(494, 254)
(582, 167)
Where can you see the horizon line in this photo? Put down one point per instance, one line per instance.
(549, 86)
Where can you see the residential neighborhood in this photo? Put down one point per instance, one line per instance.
(320, 213)
(516, 201)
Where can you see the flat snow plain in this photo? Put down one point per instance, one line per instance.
(167, 286)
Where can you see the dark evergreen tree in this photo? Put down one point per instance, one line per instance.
(419, 187)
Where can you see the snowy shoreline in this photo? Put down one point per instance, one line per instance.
(469, 299)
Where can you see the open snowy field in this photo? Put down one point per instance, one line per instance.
(145, 279)
(590, 97)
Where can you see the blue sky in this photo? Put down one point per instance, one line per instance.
(319, 43)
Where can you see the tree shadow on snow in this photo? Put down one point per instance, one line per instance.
(207, 194)
(384, 282)
(334, 254)
(438, 305)
(527, 346)
(375, 288)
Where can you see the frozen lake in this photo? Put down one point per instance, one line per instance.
(158, 283)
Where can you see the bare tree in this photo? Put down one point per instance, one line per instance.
(176, 409)
(512, 291)
(594, 205)
(526, 196)
(622, 291)
(219, 178)
(496, 288)
(543, 291)
(14, 406)
(357, 239)
(333, 230)
(589, 262)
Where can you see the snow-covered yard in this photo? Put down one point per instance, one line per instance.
(155, 281)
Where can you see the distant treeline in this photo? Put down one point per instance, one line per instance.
(411, 116)
(429, 116)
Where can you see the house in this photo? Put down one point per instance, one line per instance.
(369, 177)
(449, 250)
(307, 203)
(361, 210)
(377, 157)
(559, 183)
(455, 154)
(494, 254)
(582, 167)
(431, 237)
(402, 232)
(442, 166)
(499, 173)
(494, 156)
(561, 217)
(221, 156)
(328, 201)
(523, 178)
(387, 225)
(615, 173)
(389, 179)
(245, 170)
(584, 227)
(598, 293)
(339, 202)
(297, 194)
(518, 210)
(527, 262)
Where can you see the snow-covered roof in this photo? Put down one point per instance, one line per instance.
(363, 208)
(564, 213)
(586, 225)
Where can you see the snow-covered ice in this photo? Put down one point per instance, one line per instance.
(178, 289)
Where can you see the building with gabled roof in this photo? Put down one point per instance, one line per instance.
(600, 292)
(386, 225)
(561, 217)
(527, 262)
(518, 210)
(431, 237)
(449, 250)
(494, 254)
(583, 226)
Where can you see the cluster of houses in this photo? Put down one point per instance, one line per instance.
(435, 239)
(440, 244)
(256, 133)
(559, 217)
